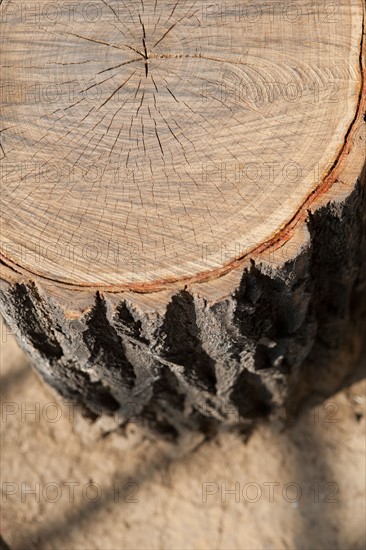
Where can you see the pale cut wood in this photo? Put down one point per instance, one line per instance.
(183, 201)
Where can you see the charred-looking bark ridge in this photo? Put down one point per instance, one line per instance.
(183, 223)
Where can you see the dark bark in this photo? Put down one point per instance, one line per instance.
(281, 336)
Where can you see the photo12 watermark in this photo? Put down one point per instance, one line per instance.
(270, 491)
(69, 491)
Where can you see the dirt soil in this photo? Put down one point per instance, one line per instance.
(69, 484)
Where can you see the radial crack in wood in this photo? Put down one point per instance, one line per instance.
(183, 202)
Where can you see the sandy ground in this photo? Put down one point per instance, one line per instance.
(69, 484)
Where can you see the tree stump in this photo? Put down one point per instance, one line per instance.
(183, 201)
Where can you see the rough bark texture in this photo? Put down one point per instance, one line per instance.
(217, 297)
(282, 334)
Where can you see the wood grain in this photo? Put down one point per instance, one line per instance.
(183, 202)
(166, 140)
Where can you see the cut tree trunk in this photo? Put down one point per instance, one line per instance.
(183, 203)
